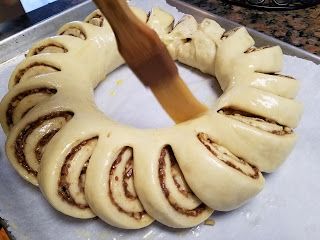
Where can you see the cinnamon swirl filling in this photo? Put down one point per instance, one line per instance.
(50, 124)
(35, 69)
(75, 32)
(96, 20)
(28, 100)
(169, 172)
(229, 33)
(121, 188)
(40, 146)
(281, 75)
(255, 49)
(259, 122)
(228, 158)
(72, 177)
(50, 48)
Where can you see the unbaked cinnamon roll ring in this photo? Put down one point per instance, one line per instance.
(88, 165)
(110, 189)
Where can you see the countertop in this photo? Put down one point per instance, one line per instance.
(300, 28)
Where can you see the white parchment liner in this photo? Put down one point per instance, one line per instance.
(288, 207)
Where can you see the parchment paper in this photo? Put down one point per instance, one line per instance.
(287, 208)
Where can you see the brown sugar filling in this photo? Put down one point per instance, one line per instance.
(18, 98)
(74, 32)
(49, 68)
(281, 75)
(259, 122)
(63, 184)
(127, 175)
(43, 142)
(82, 178)
(229, 33)
(255, 49)
(28, 129)
(50, 48)
(162, 178)
(96, 20)
(209, 144)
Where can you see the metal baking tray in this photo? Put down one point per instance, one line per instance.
(22, 41)
(17, 44)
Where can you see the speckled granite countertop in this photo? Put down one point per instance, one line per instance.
(298, 27)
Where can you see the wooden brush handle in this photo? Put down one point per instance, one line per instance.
(149, 59)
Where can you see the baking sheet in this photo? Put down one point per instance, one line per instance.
(287, 208)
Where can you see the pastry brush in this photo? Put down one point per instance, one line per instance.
(149, 59)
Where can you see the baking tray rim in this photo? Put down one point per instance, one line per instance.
(12, 50)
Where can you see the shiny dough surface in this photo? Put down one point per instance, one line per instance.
(87, 165)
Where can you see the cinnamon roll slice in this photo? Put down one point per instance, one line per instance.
(18, 102)
(34, 67)
(96, 18)
(219, 178)
(272, 108)
(160, 21)
(50, 48)
(163, 191)
(260, 141)
(87, 31)
(258, 56)
(231, 32)
(110, 189)
(212, 29)
(73, 173)
(259, 122)
(279, 84)
(256, 125)
(180, 34)
(66, 163)
(238, 62)
(28, 140)
(194, 44)
(74, 31)
(58, 45)
(33, 70)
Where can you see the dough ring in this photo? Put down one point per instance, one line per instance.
(86, 164)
